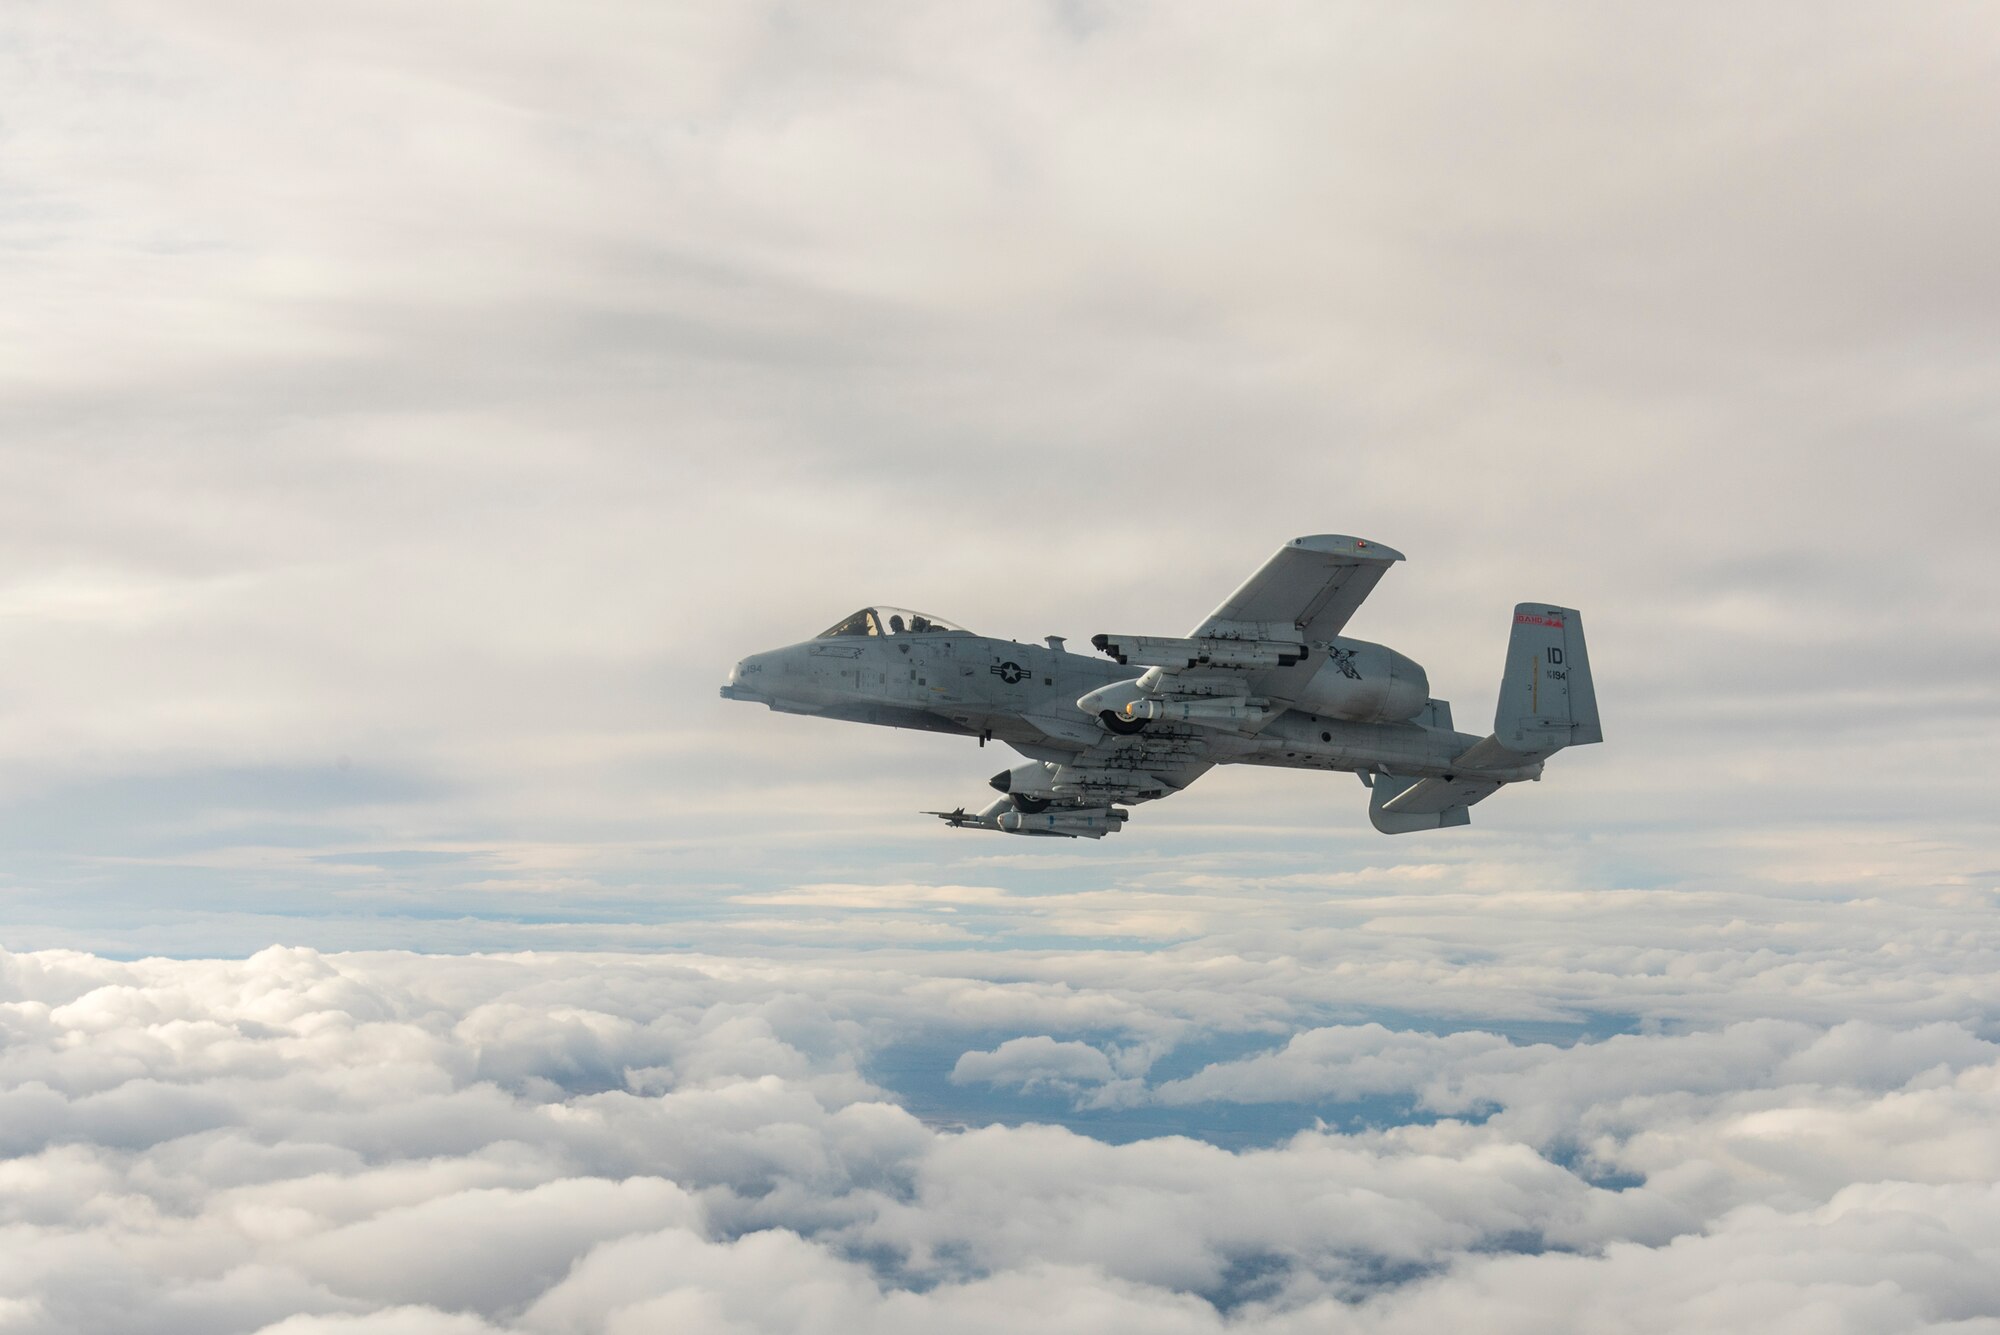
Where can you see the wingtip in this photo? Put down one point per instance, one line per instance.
(1342, 544)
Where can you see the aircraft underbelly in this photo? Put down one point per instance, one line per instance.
(883, 715)
(1297, 741)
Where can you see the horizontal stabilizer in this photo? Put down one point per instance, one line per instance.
(1490, 754)
(1430, 797)
(1388, 790)
(1435, 714)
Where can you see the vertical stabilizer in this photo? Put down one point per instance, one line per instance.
(1547, 699)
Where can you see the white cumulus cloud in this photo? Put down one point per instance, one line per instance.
(565, 1143)
(1035, 1060)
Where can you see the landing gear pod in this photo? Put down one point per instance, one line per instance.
(1029, 787)
(1116, 705)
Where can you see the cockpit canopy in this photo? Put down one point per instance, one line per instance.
(888, 621)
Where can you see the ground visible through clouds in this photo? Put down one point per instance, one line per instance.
(1386, 1102)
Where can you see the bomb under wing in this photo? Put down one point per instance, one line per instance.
(1266, 679)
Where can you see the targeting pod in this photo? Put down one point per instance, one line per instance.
(1073, 823)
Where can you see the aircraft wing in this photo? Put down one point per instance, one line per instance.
(1141, 767)
(1313, 584)
(1238, 670)
(1304, 594)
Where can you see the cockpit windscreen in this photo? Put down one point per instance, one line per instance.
(888, 621)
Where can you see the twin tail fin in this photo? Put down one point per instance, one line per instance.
(1547, 702)
(1547, 699)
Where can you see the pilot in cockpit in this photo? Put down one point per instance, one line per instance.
(896, 623)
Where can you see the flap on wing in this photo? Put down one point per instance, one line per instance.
(1430, 796)
(1314, 583)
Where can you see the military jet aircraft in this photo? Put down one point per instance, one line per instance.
(1265, 679)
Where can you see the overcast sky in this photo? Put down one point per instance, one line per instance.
(409, 412)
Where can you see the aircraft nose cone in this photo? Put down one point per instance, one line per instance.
(746, 679)
(750, 671)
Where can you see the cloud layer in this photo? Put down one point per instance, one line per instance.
(555, 1143)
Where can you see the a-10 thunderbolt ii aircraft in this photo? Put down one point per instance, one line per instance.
(1265, 679)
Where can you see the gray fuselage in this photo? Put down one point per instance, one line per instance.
(1026, 695)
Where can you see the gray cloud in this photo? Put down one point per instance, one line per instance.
(1030, 1063)
(461, 397)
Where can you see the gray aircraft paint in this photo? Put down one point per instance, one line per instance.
(1264, 680)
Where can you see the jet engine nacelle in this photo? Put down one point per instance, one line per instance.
(1365, 683)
